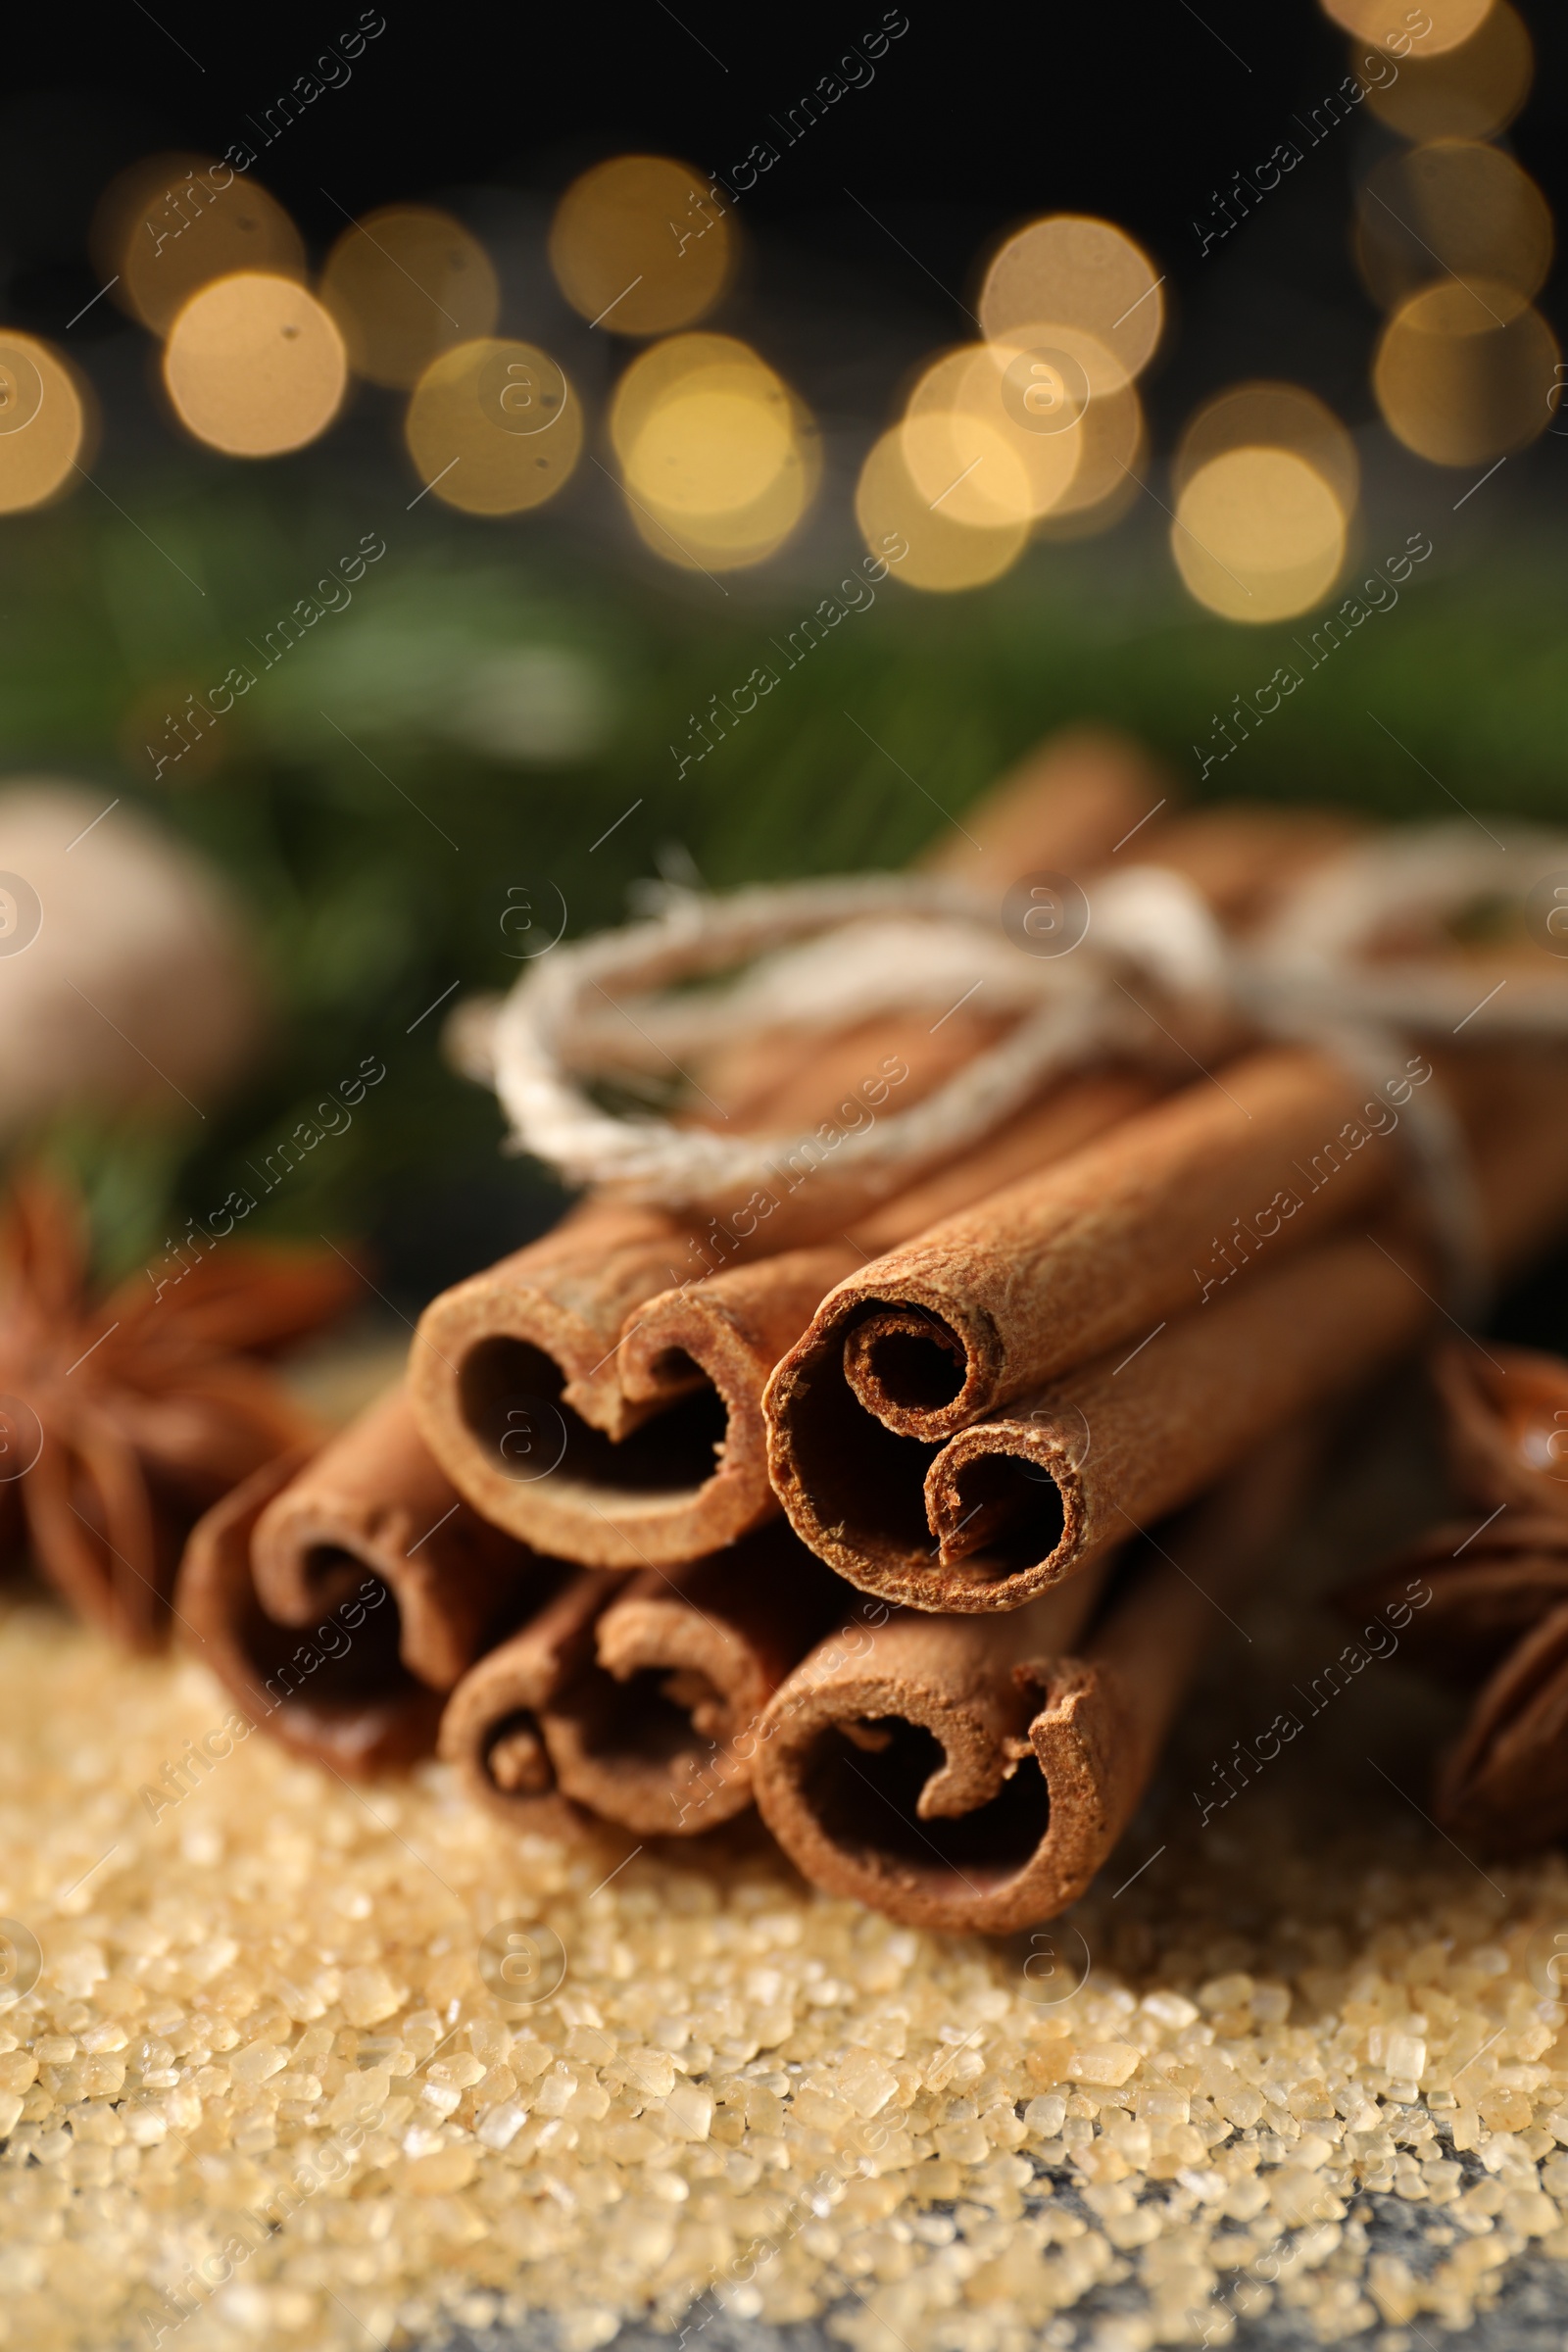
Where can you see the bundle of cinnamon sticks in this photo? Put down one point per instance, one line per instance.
(907, 1522)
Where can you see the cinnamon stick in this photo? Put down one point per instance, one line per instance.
(659, 1734)
(542, 1326)
(491, 1727)
(372, 1502)
(1044, 1476)
(973, 1774)
(712, 1344)
(342, 1695)
(340, 1595)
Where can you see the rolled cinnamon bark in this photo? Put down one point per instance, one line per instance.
(975, 1774)
(537, 1333)
(374, 1501)
(339, 1595)
(660, 1733)
(342, 1694)
(1152, 1218)
(491, 1728)
(714, 1342)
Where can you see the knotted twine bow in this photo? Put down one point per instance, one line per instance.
(1324, 969)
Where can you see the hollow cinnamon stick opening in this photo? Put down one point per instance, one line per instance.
(491, 1728)
(1017, 1289)
(337, 1691)
(373, 1500)
(659, 1734)
(1033, 1491)
(975, 1774)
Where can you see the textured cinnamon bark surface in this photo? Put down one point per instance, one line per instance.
(336, 1691)
(660, 1732)
(733, 1329)
(1132, 1228)
(1028, 1492)
(543, 1326)
(490, 1728)
(373, 1500)
(975, 1774)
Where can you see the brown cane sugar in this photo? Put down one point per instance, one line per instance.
(263, 2090)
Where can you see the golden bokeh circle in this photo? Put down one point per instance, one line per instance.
(1455, 205)
(969, 388)
(642, 245)
(1387, 22)
(1105, 479)
(943, 555)
(1468, 92)
(720, 457)
(1465, 372)
(1076, 271)
(255, 366)
(43, 423)
(173, 223)
(494, 426)
(403, 284)
(1272, 415)
(660, 372)
(1258, 535)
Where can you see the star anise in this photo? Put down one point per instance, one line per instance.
(123, 1417)
(1494, 1619)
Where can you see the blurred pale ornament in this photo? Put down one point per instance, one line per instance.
(642, 245)
(494, 426)
(124, 970)
(43, 423)
(1076, 271)
(1466, 372)
(255, 367)
(1392, 23)
(171, 224)
(403, 284)
(1029, 400)
(1272, 415)
(1468, 92)
(944, 553)
(1454, 205)
(1258, 535)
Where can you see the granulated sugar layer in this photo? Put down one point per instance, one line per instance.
(263, 2090)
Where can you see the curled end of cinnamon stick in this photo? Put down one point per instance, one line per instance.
(952, 1802)
(521, 1400)
(492, 1730)
(339, 1693)
(661, 1731)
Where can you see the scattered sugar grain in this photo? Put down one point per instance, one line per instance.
(260, 2092)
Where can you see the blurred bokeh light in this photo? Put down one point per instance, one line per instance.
(494, 426)
(1470, 91)
(720, 457)
(1454, 205)
(403, 284)
(255, 366)
(174, 223)
(642, 245)
(44, 420)
(1465, 372)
